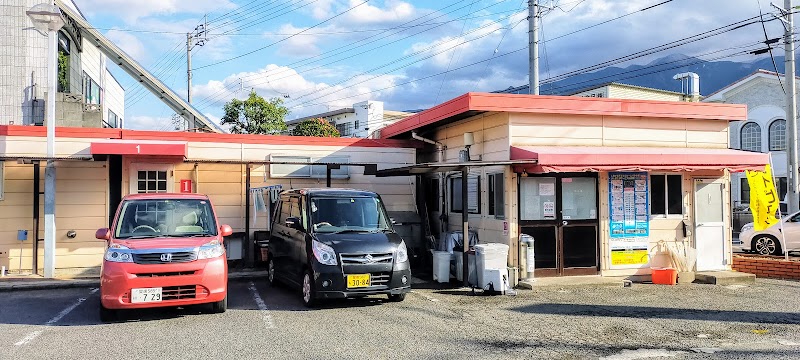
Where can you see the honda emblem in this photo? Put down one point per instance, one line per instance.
(166, 257)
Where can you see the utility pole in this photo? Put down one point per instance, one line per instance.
(792, 199)
(533, 47)
(197, 37)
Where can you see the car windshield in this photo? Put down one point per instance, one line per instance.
(141, 219)
(345, 214)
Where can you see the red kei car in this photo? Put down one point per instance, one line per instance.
(163, 250)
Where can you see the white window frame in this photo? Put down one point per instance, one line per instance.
(491, 189)
(2, 179)
(476, 210)
(758, 138)
(666, 197)
(134, 175)
(306, 171)
(772, 138)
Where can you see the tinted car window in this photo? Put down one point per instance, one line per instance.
(284, 211)
(332, 214)
(165, 217)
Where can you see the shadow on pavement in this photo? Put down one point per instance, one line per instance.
(650, 312)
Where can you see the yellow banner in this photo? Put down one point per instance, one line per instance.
(764, 201)
(629, 257)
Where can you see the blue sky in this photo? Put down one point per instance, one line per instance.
(321, 55)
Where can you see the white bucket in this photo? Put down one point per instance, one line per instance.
(490, 256)
(441, 266)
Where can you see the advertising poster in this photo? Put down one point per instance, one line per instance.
(629, 217)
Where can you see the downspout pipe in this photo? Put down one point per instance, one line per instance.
(443, 179)
(439, 145)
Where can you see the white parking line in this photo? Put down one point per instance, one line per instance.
(33, 335)
(262, 307)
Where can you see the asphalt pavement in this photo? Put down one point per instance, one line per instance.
(645, 321)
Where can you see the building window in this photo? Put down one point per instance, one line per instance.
(497, 204)
(432, 194)
(345, 129)
(113, 120)
(151, 181)
(777, 135)
(473, 195)
(91, 90)
(751, 137)
(666, 195)
(744, 190)
(307, 171)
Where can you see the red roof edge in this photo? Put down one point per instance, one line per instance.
(98, 133)
(572, 105)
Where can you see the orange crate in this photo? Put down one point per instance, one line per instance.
(664, 276)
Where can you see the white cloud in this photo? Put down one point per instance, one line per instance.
(304, 96)
(129, 43)
(131, 11)
(395, 11)
(302, 45)
(138, 122)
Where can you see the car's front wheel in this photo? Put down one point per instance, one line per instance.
(108, 315)
(221, 306)
(271, 272)
(766, 245)
(309, 293)
(397, 297)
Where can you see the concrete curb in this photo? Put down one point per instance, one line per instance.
(23, 285)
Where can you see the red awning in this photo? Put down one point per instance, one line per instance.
(140, 147)
(605, 158)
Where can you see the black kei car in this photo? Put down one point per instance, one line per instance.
(336, 243)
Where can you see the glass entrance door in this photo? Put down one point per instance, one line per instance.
(560, 213)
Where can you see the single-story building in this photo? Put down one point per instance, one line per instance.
(96, 167)
(596, 182)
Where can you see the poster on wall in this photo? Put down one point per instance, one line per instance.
(629, 219)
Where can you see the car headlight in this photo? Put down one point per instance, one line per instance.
(747, 227)
(324, 253)
(402, 252)
(211, 250)
(118, 253)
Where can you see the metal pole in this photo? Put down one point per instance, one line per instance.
(465, 223)
(791, 113)
(533, 47)
(50, 170)
(248, 261)
(189, 67)
(37, 192)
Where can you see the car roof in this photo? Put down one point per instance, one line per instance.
(165, 196)
(336, 192)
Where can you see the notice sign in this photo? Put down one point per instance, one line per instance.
(628, 205)
(549, 210)
(629, 257)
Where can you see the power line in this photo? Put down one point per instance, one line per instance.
(450, 62)
(284, 39)
(610, 20)
(216, 95)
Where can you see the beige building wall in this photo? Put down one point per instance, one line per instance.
(81, 206)
(82, 190)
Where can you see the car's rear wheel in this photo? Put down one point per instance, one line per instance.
(108, 315)
(397, 297)
(309, 292)
(766, 245)
(271, 272)
(221, 306)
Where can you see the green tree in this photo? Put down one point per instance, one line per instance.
(255, 115)
(315, 127)
(63, 72)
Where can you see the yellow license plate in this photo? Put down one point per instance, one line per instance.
(357, 281)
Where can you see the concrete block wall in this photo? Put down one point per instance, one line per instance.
(23, 62)
(774, 267)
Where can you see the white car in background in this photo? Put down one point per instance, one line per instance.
(770, 241)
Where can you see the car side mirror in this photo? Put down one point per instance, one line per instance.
(225, 230)
(103, 234)
(293, 223)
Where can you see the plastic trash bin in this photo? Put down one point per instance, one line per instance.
(490, 256)
(441, 266)
(459, 270)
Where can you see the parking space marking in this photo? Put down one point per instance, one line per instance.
(262, 307)
(33, 335)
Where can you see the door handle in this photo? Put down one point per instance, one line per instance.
(564, 223)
